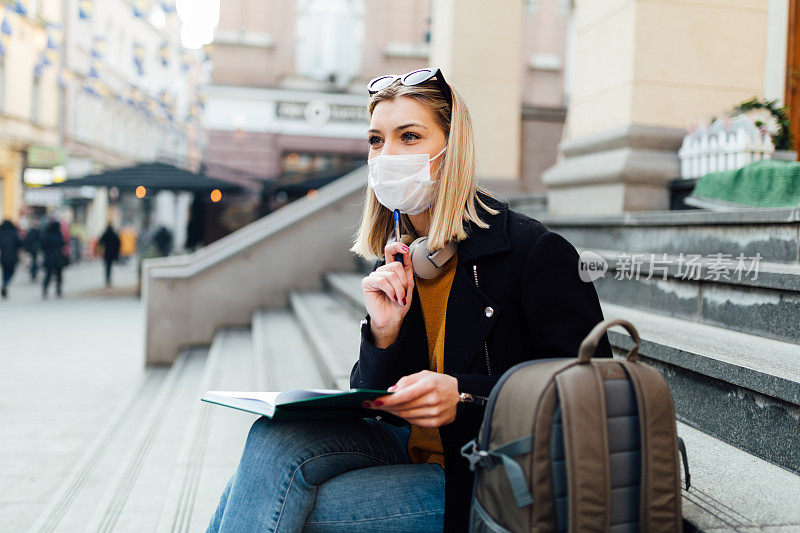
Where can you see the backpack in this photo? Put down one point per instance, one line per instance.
(578, 445)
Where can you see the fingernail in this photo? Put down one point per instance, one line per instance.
(405, 248)
(365, 404)
(393, 387)
(378, 402)
(404, 301)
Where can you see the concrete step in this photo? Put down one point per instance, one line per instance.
(347, 285)
(76, 499)
(741, 388)
(214, 438)
(134, 503)
(101, 486)
(285, 356)
(332, 329)
(732, 490)
(755, 297)
(771, 232)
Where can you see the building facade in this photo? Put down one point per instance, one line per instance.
(288, 86)
(29, 97)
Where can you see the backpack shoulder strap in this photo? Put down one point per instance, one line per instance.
(583, 412)
(661, 478)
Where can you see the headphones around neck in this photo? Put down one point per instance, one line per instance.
(424, 263)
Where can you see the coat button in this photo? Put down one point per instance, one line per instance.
(488, 312)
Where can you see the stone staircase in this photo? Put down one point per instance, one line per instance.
(164, 458)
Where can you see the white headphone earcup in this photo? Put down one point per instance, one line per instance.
(422, 265)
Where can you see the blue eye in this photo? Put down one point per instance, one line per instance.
(370, 139)
(414, 136)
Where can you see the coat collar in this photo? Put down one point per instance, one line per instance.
(483, 242)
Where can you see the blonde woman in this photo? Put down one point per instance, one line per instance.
(480, 289)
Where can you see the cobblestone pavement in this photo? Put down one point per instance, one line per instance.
(65, 365)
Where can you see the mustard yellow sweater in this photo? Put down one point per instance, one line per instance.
(424, 444)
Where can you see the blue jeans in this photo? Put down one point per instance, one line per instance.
(330, 475)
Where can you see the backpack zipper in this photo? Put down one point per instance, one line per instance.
(485, 345)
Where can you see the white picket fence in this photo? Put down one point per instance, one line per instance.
(725, 144)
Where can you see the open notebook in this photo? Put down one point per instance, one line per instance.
(299, 403)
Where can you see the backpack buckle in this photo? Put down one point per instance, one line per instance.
(474, 455)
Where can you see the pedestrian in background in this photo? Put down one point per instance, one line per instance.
(10, 243)
(127, 243)
(111, 244)
(32, 244)
(163, 241)
(54, 258)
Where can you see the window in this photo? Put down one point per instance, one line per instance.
(329, 39)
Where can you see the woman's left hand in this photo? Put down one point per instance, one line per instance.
(426, 399)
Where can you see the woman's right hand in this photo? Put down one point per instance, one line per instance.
(388, 291)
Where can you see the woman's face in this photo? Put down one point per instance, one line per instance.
(405, 126)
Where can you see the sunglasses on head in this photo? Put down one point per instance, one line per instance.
(415, 77)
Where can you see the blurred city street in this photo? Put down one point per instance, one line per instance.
(68, 364)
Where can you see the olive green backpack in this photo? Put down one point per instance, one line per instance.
(578, 445)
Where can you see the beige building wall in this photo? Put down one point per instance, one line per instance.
(644, 71)
(17, 129)
(665, 63)
(254, 43)
(394, 38)
(487, 70)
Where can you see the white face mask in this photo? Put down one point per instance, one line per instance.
(403, 182)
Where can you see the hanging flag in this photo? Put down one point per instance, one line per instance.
(138, 57)
(20, 6)
(184, 61)
(5, 26)
(98, 47)
(85, 9)
(55, 36)
(163, 53)
(139, 8)
(94, 69)
(207, 49)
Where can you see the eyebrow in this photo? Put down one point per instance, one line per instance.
(398, 128)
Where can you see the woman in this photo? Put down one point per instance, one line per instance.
(509, 292)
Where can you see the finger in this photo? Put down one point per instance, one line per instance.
(394, 248)
(377, 282)
(396, 277)
(410, 379)
(407, 394)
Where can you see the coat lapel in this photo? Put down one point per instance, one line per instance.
(466, 323)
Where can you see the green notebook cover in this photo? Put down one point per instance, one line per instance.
(293, 404)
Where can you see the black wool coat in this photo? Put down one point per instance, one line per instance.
(516, 296)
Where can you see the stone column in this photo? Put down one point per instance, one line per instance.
(644, 71)
(478, 46)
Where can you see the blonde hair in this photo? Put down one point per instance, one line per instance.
(455, 198)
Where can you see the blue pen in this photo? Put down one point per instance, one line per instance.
(397, 256)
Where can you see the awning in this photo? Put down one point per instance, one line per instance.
(156, 177)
